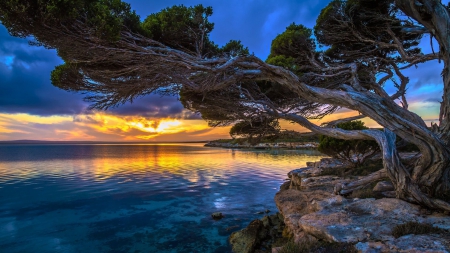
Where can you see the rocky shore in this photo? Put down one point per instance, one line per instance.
(275, 145)
(310, 212)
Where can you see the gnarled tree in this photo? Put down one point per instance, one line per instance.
(114, 58)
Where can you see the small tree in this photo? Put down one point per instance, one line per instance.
(254, 131)
(353, 151)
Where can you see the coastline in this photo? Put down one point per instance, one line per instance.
(274, 145)
(311, 214)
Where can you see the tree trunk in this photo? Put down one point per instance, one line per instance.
(430, 189)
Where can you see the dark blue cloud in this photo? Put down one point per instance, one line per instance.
(25, 80)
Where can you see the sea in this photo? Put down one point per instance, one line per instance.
(116, 198)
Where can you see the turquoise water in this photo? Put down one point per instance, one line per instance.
(134, 198)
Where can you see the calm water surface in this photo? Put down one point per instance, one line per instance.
(134, 198)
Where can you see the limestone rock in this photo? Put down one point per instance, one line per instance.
(384, 186)
(332, 163)
(322, 182)
(430, 243)
(358, 220)
(247, 239)
(293, 204)
(372, 247)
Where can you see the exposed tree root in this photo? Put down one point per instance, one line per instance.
(344, 189)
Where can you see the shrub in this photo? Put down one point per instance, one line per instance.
(317, 247)
(416, 228)
(354, 151)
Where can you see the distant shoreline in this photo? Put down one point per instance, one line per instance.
(94, 142)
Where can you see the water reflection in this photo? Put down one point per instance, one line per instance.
(123, 198)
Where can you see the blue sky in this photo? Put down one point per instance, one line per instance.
(31, 108)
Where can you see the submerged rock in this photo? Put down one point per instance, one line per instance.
(259, 235)
(217, 216)
(247, 239)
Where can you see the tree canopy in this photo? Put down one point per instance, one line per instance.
(113, 57)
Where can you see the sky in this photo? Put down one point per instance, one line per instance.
(31, 108)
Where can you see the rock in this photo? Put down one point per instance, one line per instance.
(430, 243)
(358, 220)
(332, 163)
(285, 186)
(389, 194)
(293, 204)
(266, 221)
(371, 247)
(217, 216)
(267, 211)
(384, 186)
(277, 249)
(322, 182)
(363, 219)
(249, 238)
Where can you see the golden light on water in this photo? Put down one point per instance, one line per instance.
(144, 161)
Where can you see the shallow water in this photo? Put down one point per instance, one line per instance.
(134, 198)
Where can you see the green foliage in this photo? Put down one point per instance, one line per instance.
(234, 48)
(342, 24)
(184, 28)
(107, 18)
(365, 169)
(291, 48)
(317, 247)
(354, 151)
(255, 130)
(416, 228)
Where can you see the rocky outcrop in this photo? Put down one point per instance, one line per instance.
(309, 207)
(247, 239)
(312, 212)
(259, 235)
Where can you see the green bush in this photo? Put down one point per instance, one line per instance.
(416, 228)
(354, 151)
(318, 247)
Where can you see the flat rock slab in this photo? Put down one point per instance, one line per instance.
(359, 220)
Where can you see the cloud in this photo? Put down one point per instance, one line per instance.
(25, 86)
(101, 126)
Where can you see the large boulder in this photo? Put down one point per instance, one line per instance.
(249, 238)
(293, 204)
